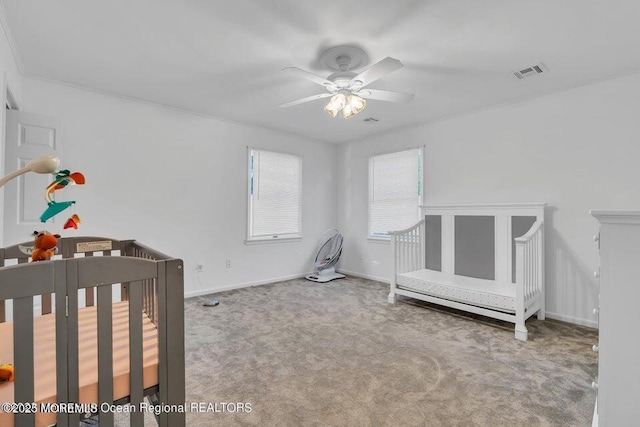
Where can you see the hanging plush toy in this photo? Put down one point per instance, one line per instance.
(62, 179)
(45, 246)
(6, 373)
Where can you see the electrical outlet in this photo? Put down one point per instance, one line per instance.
(228, 263)
(199, 267)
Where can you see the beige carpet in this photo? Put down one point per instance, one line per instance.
(337, 354)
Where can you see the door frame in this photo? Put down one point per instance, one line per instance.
(9, 101)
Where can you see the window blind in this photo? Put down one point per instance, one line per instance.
(275, 195)
(395, 187)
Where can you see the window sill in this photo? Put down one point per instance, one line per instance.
(272, 240)
(383, 240)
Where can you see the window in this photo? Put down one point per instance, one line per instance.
(275, 194)
(395, 191)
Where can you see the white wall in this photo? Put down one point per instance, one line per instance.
(8, 64)
(178, 183)
(576, 150)
(9, 77)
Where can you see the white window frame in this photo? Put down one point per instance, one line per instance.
(385, 238)
(291, 237)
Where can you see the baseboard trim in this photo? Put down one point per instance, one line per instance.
(208, 291)
(200, 292)
(364, 276)
(572, 319)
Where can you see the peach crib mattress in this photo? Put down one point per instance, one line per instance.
(45, 358)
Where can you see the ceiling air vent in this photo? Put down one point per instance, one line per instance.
(371, 119)
(531, 71)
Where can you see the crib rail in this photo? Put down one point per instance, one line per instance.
(154, 284)
(149, 286)
(71, 247)
(530, 266)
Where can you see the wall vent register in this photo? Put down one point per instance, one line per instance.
(534, 70)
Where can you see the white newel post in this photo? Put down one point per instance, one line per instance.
(521, 329)
(541, 273)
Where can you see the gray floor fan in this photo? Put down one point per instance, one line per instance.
(327, 258)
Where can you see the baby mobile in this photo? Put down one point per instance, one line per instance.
(45, 244)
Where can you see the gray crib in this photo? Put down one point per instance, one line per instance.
(113, 352)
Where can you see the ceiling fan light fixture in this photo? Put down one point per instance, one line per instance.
(354, 105)
(336, 104)
(357, 103)
(347, 112)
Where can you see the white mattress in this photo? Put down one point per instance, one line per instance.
(480, 292)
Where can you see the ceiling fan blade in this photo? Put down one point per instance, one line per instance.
(299, 72)
(307, 99)
(377, 70)
(386, 95)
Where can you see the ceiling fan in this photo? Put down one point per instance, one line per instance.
(347, 89)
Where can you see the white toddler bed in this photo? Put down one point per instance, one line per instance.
(500, 297)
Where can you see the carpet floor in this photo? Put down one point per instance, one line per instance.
(337, 354)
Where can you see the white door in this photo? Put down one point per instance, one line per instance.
(28, 136)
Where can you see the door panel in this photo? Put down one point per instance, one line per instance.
(28, 136)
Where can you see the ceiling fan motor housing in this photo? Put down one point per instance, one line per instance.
(341, 79)
(345, 84)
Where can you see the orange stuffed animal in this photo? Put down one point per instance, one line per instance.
(6, 372)
(44, 246)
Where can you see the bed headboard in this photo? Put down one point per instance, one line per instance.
(503, 249)
(488, 209)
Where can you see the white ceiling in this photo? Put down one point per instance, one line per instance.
(223, 59)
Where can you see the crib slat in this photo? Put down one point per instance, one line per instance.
(23, 356)
(416, 249)
(62, 390)
(105, 352)
(45, 303)
(153, 302)
(135, 352)
(406, 253)
(147, 296)
(124, 286)
(72, 338)
(89, 297)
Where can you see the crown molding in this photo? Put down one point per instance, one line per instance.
(10, 39)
